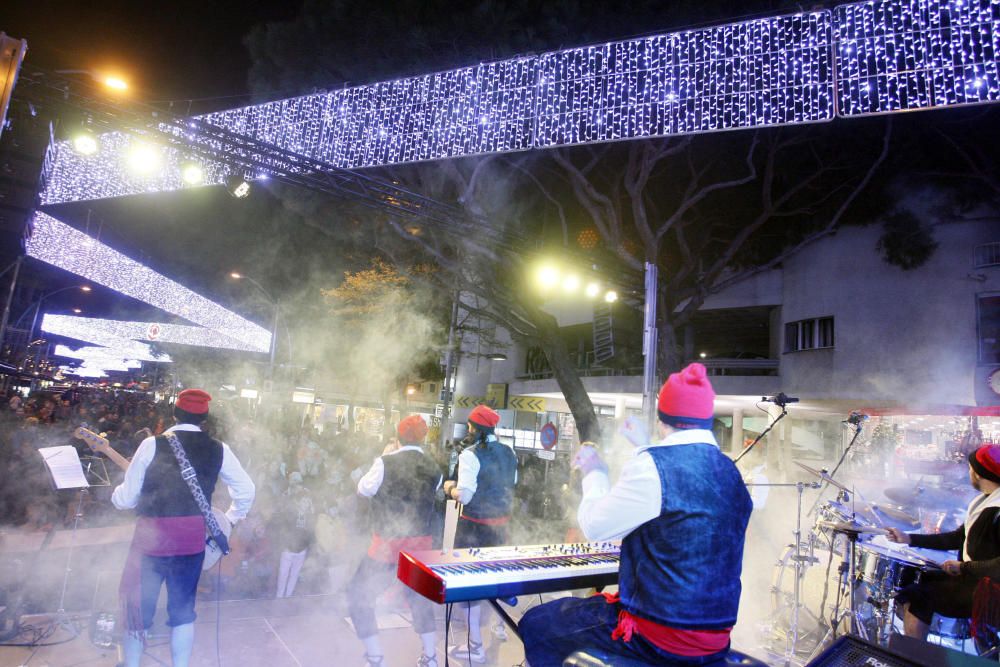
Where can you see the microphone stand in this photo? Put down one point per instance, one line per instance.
(784, 411)
(857, 432)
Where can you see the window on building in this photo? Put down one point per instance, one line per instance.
(812, 334)
(433, 388)
(987, 254)
(989, 329)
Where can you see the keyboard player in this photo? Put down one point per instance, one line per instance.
(681, 511)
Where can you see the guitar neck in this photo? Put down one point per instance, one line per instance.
(117, 458)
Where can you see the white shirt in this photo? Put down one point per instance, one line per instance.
(468, 473)
(241, 487)
(371, 482)
(611, 513)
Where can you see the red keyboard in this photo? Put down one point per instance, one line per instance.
(503, 572)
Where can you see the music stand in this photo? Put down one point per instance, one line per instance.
(67, 471)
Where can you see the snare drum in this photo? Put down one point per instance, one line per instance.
(886, 570)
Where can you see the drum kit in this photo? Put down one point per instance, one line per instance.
(860, 596)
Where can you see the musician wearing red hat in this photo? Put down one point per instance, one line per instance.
(168, 546)
(680, 509)
(487, 472)
(950, 591)
(402, 485)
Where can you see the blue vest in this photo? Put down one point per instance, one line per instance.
(494, 494)
(682, 569)
(404, 504)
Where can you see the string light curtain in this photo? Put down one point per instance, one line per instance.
(858, 59)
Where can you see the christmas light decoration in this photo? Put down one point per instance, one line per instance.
(101, 357)
(157, 332)
(78, 328)
(873, 57)
(896, 55)
(67, 248)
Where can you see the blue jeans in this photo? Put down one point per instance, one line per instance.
(553, 630)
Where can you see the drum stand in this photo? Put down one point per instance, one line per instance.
(846, 567)
(801, 561)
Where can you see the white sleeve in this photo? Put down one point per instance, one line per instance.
(371, 482)
(611, 514)
(241, 487)
(126, 495)
(468, 473)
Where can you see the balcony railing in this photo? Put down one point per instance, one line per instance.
(740, 366)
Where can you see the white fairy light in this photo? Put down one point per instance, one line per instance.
(102, 357)
(873, 57)
(157, 332)
(67, 248)
(896, 55)
(78, 328)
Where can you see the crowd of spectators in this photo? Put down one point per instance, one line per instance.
(308, 528)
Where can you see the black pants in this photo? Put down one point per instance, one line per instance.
(939, 593)
(180, 574)
(371, 580)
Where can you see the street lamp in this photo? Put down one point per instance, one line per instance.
(236, 275)
(37, 306)
(109, 81)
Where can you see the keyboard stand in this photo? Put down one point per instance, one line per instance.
(505, 616)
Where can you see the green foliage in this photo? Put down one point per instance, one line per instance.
(906, 240)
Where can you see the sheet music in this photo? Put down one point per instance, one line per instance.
(64, 465)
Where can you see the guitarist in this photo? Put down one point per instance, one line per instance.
(169, 542)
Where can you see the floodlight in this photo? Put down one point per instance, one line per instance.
(85, 143)
(548, 276)
(115, 83)
(193, 174)
(593, 289)
(143, 159)
(238, 187)
(611, 296)
(571, 283)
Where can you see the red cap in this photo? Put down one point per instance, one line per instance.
(194, 401)
(484, 416)
(687, 399)
(986, 462)
(412, 429)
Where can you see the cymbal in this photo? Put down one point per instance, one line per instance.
(823, 475)
(924, 497)
(851, 527)
(895, 513)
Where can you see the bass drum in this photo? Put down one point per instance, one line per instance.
(814, 580)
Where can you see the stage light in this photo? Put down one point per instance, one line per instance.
(143, 159)
(611, 296)
(593, 289)
(571, 283)
(238, 187)
(85, 143)
(548, 277)
(193, 174)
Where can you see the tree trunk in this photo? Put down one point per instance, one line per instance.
(670, 355)
(568, 378)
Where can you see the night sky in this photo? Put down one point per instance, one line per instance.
(178, 50)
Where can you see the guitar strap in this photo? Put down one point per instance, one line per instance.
(190, 477)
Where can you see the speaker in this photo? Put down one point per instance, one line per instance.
(851, 651)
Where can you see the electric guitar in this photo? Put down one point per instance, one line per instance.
(98, 443)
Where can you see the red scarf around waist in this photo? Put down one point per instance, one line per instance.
(155, 536)
(387, 551)
(665, 638)
(497, 521)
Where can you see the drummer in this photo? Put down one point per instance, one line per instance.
(949, 592)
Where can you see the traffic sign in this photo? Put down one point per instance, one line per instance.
(527, 403)
(550, 436)
(463, 401)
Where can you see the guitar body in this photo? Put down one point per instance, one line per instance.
(212, 552)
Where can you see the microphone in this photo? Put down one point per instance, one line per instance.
(856, 418)
(780, 399)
